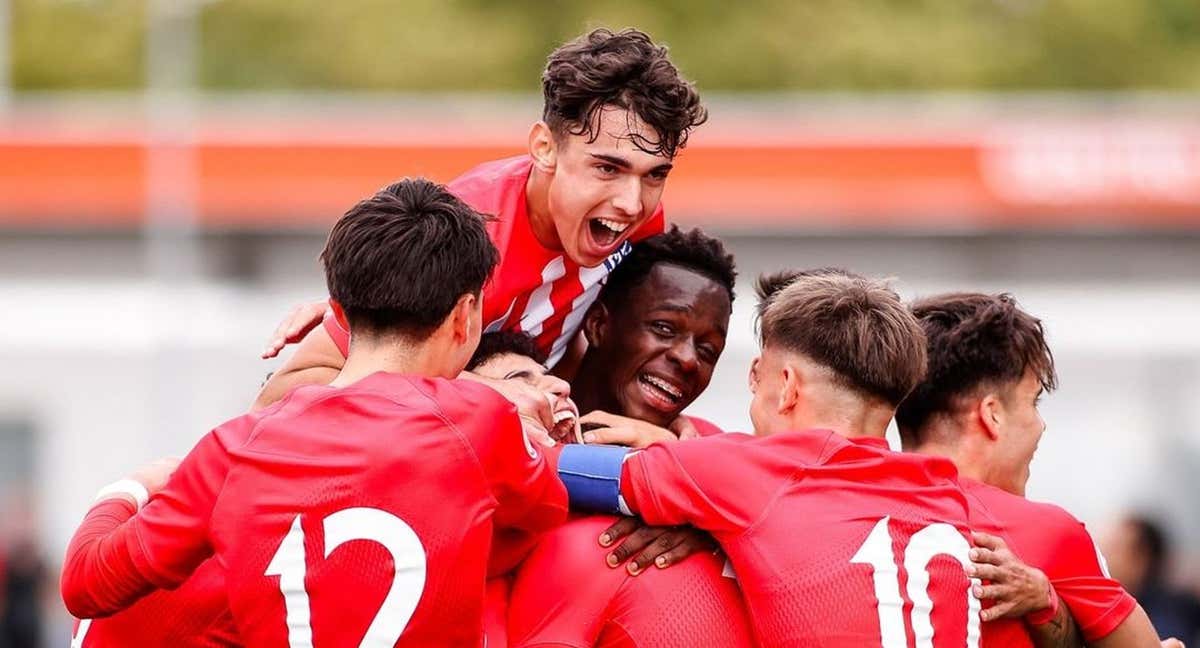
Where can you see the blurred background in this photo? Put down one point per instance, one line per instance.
(169, 169)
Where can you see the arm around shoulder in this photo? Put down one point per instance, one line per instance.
(317, 361)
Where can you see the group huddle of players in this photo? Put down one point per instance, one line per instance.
(415, 475)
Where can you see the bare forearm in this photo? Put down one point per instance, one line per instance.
(1136, 631)
(1060, 632)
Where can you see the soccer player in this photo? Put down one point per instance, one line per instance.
(368, 511)
(564, 595)
(654, 337)
(989, 365)
(835, 540)
(615, 114)
(194, 615)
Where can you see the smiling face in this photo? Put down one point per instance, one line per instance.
(599, 191)
(1021, 427)
(656, 350)
(514, 366)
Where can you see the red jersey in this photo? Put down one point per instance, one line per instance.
(1051, 539)
(535, 290)
(834, 542)
(565, 595)
(705, 427)
(364, 513)
(196, 615)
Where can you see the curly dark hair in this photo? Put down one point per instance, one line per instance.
(624, 69)
(693, 250)
(503, 342)
(974, 340)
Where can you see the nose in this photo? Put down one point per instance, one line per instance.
(683, 353)
(628, 197)
(555, 385)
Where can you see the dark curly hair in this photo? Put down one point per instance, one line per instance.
(624, 69)
(505, 342)
(693, 250)
(974, 340)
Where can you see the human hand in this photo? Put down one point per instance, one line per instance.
(1015, 588)
(622, 430)
(295, 325)
(683, 428)
(154, 475)
(536, 407)
(647, 545)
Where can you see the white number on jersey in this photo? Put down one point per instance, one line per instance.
(933, 540)
(343, 526)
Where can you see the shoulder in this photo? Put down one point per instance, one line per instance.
(705, 427)
(490, 186)
(1042, 531)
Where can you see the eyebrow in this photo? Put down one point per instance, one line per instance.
(680, 308)
(622, 163)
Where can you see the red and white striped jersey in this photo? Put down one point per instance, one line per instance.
(535, 290)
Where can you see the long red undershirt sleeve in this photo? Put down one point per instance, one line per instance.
(98, 575)
(120, 554)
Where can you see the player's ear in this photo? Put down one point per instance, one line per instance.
(789, 394)
(462, 318)
(753, 377)
(991, 415)
(543, 148)
(595, 324)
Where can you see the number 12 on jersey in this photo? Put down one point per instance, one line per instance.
(932, 540)
(408, 582)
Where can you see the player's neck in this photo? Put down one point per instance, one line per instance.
(366, 358)
(537, 208)
(849, 416)
(952, 448)
(587, 388)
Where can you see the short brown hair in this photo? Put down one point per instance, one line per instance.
(974, 340)
(855, 326)
(399, 261)
(624, 69)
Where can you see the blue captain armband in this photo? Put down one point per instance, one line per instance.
(592, 475)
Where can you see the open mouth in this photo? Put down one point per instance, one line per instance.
(660, 393)
(566, 427)
(606, 232)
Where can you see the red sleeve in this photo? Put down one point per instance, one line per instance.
(341, 336)
(705, 427)
(1077, 570)
(719, 483)
(116, 557)
(567, 567)
(530, 498)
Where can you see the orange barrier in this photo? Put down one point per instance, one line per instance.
(980, 181)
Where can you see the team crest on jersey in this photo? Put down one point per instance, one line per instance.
(617, 256)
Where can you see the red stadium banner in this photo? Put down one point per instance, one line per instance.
(1057, 175)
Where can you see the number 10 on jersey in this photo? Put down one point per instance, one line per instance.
(932, 540)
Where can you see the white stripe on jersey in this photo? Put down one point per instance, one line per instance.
(592, 280)
(539, 308)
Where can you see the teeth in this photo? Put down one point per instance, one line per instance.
(663, 385)
(613, 225)
(563, 416)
